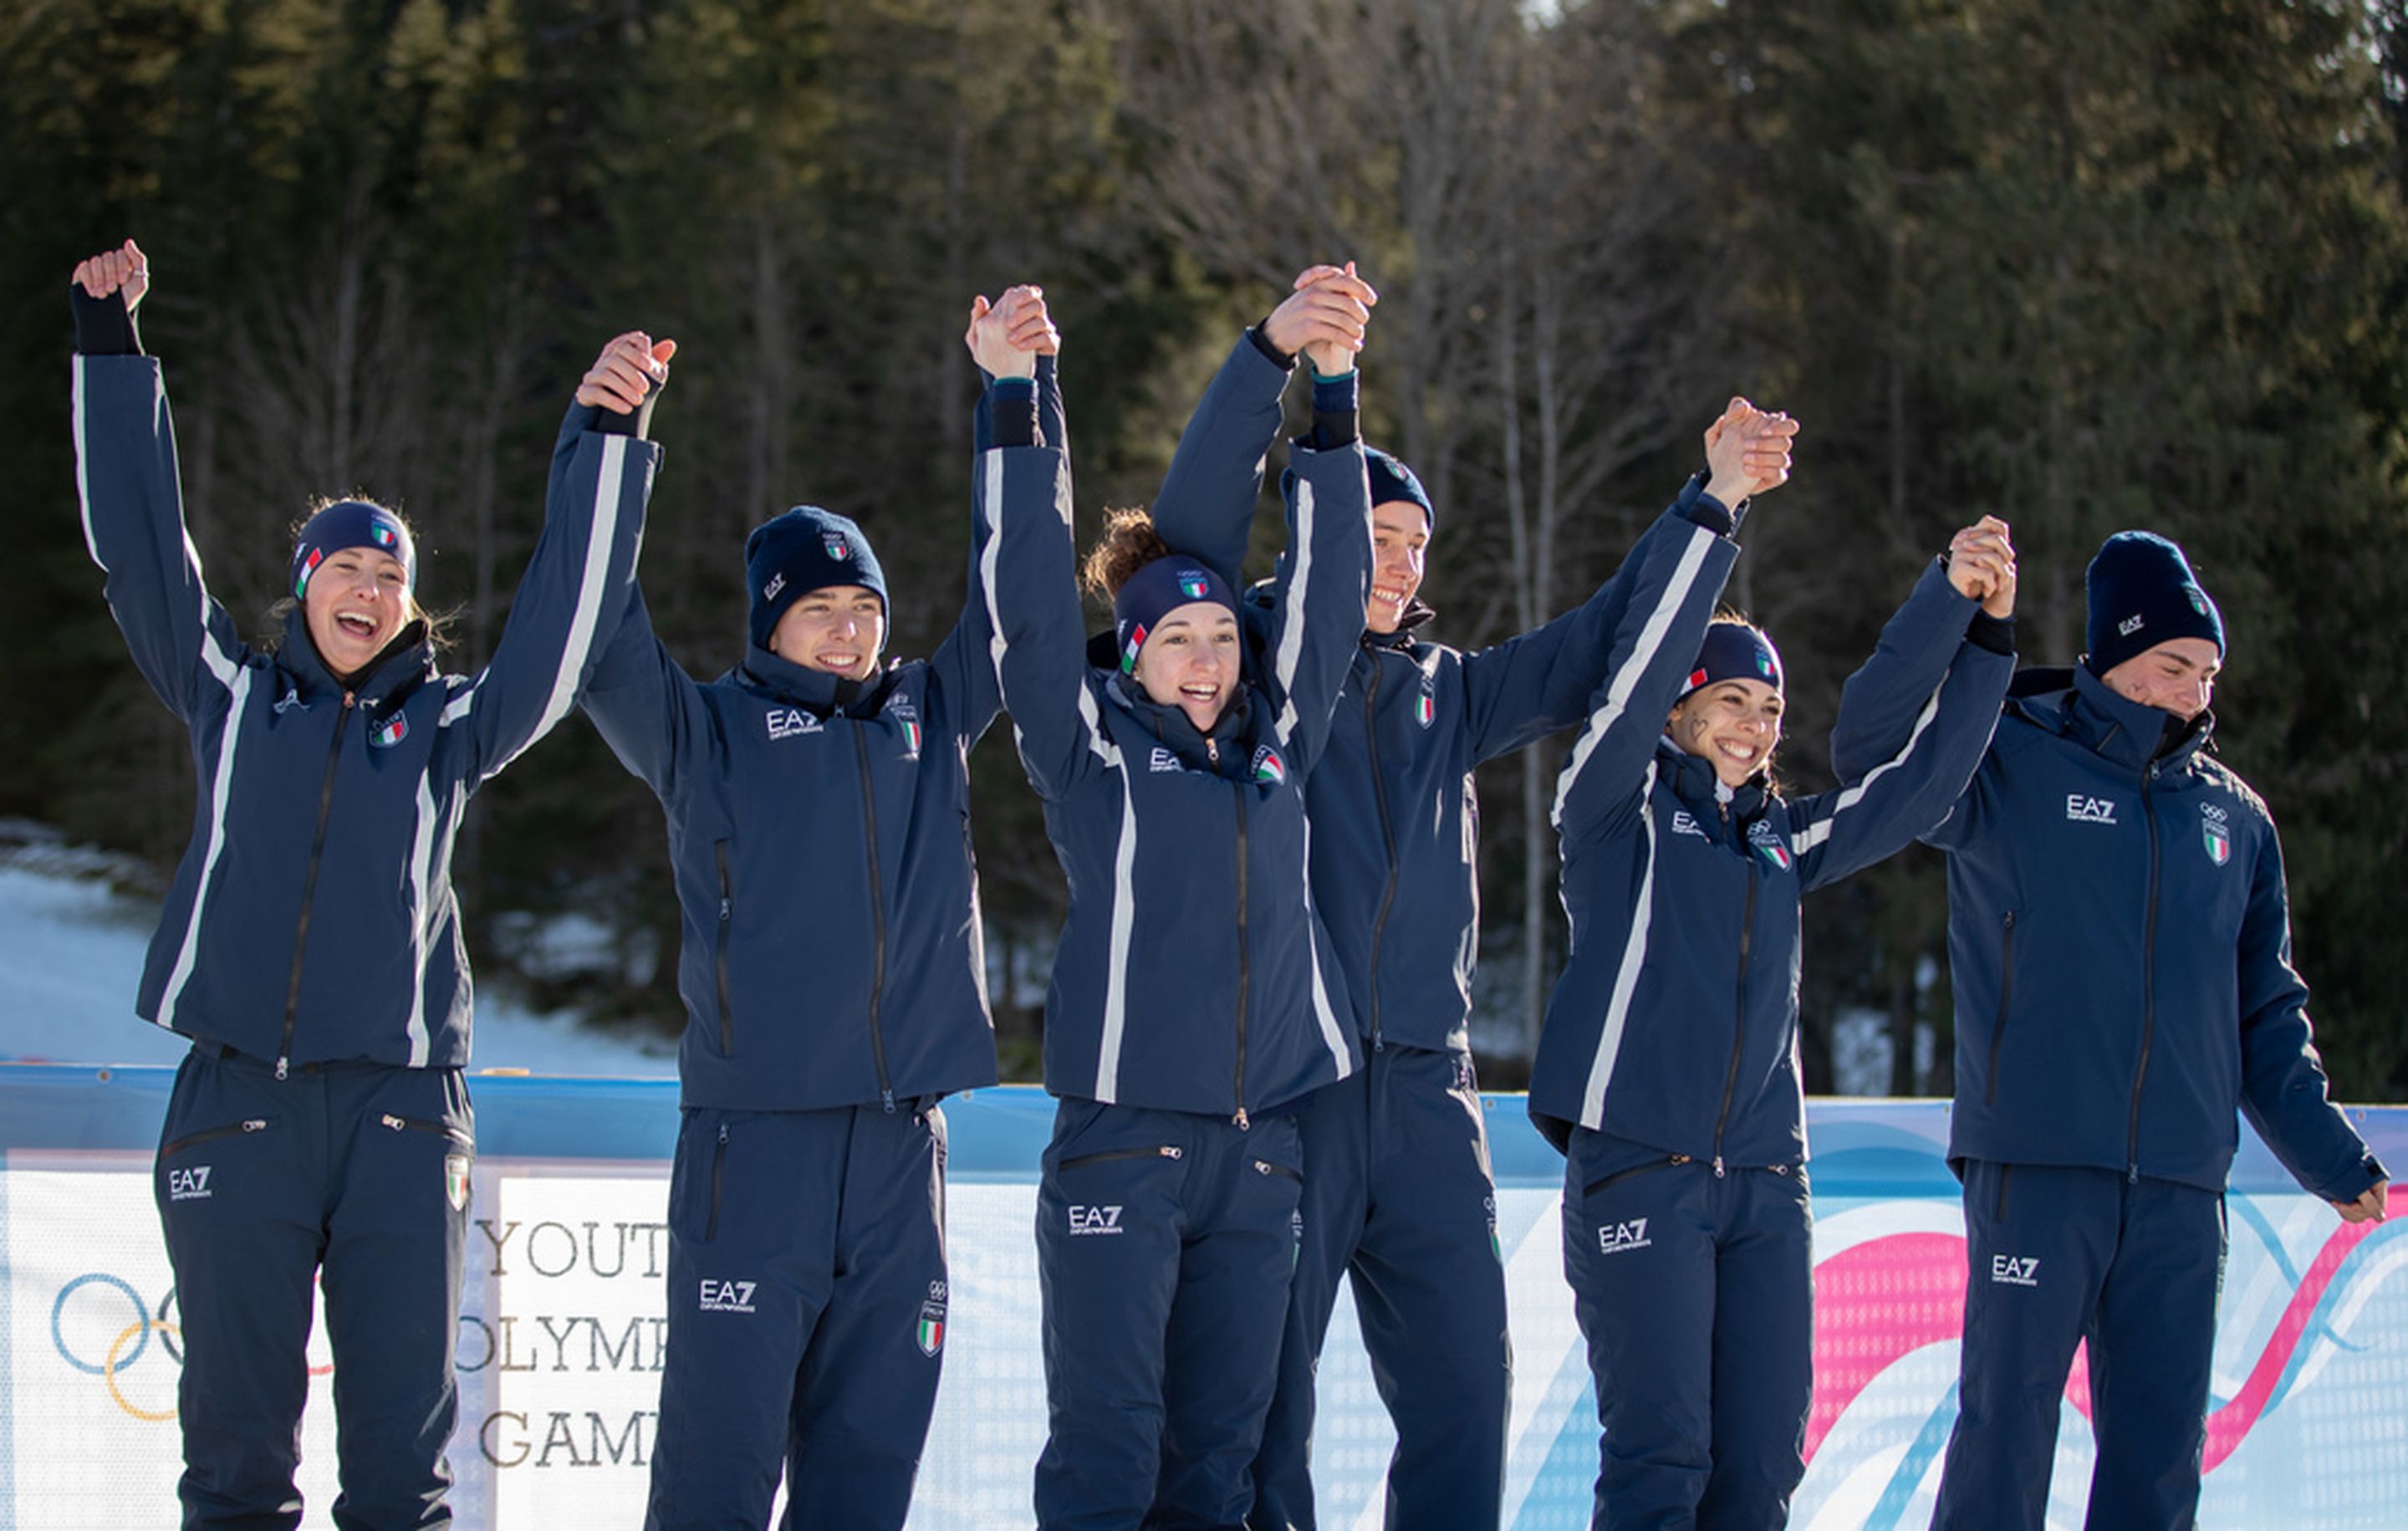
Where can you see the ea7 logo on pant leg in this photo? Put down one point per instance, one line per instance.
(1085, 1221)
(728, 1296)
(1622, 1238)
(2016, 1270)
(189, 1184)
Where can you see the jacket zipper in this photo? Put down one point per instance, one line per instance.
(2006, 991)
(1243, 970)
(1593, 1187)
(440, 1129)
(1739, 1035)
(1166, 1151)
(1264, 1167)
(718, 1167)
(310, 886)
(878, 919)
(2148, 984)
(257, 1123)
(726, 924)
(1388, 834)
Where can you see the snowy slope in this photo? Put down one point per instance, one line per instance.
(71, 956)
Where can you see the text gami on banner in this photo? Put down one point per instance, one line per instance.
(561, 1334)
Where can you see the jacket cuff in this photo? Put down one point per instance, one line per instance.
(103, 326)
(1335, 416)
(1011, 404)
(1996, 633)
(1277, 357)
(1706, 511)
(636, 422)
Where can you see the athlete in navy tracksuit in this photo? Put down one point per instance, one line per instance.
(2119, 946)
(1667, 1070)
(1193, 998)
(1399, 1195)
(319, 1132)
(835, 984)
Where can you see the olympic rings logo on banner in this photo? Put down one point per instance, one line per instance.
(116, 1357)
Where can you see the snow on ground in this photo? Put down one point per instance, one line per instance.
(71, 951)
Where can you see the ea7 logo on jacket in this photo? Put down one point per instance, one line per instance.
(1163, 760)
(1622, 1238)
(2217, 832)
(787, 721)
(2089, 811)
(1685, 823)
(1087, 1222)
(189, 1184)
(2016, 1270)
(728, 1296)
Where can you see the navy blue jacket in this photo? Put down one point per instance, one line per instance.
(312, 917)
(2119, 944)
(820, 838)
(1193, 974)
(1675, 1021)
(1396, 816)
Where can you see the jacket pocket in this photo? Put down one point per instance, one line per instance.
(726, 918)
(440, 1129)
(1160, 1151)
(1264, 1167)
(208, 1135)
(2006, 1001)
(1651, 1166)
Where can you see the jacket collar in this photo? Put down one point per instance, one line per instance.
(2076, 705)
(1418, 613)
(399, 668)
(1694, 782)
(816, 692)
(1191, 744)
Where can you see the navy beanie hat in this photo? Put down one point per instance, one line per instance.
(2142, 591)
(351, 524)
(1154, 592)
(807, 549)
(1393, 481)
(1733, 651)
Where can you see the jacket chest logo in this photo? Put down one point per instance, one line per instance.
(2217, 832)
(1685, 823)
(2081, 809)
(1767, 841)
(1163, 760)
(900, 709)
(389, 732)
(787, 721)
(1426, 705)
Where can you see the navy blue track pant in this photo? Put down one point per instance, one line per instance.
(1400, 1199)
(807, 1298)
(1696, 1292)
(2056, 1255)
(353, 1175)
(1165, 1245)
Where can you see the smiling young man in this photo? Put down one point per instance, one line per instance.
(835, 986)
(2119, 947)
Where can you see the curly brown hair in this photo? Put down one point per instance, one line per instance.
(1129, 543)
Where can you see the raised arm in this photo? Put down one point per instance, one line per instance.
(1917, 718)
(1025, 566)
(133, 506)
(1314, 601)
(1205, 506)
(1669, 603)
(578, 581)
